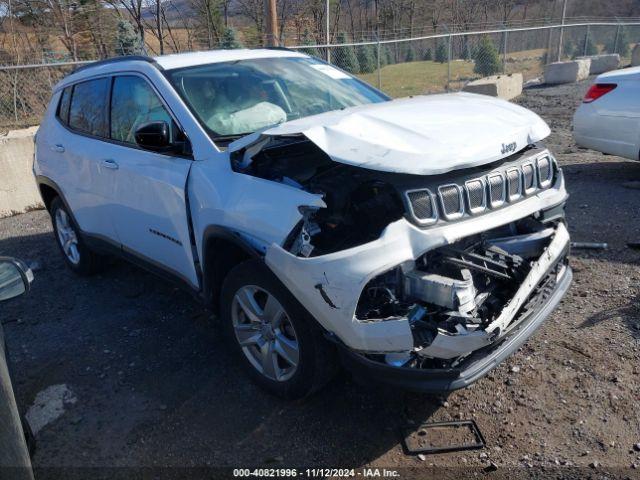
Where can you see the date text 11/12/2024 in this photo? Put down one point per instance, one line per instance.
(316, 472)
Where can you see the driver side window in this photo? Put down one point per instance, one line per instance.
(134, 103)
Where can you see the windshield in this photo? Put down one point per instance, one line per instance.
(232, 99)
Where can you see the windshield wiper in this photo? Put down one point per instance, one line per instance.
(229, 138)
(235, 136)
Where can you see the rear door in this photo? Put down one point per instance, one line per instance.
(149, 201)
(71, 155)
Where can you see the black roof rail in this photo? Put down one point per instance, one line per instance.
(125, 58)
(287, 49)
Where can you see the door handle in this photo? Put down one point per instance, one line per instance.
(58, 148)
(110, 163)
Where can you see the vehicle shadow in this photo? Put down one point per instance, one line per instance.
(604, 201)
(156, 385)
(604, 206)
(606, 169)
(629, 315)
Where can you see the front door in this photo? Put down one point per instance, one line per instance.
(149, 206)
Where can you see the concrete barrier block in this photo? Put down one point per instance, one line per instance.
(18, 190)
(567, 72)
(603, 63)
(635, 56)
(502, 86)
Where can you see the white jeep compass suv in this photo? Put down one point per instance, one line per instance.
(420, 240)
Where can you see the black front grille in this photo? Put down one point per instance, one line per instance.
(471, 193)
(450, 197)
(421, 204)
(496, 188)
(475, 191)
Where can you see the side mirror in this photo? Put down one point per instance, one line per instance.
(153, 136)
(15, 278)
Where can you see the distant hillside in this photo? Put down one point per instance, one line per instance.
(174, 9)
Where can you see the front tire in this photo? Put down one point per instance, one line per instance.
(275, 338)
(76, 254)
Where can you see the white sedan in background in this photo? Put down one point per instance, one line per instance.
(609, 118)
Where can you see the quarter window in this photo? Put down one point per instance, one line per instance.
(65, 103)
(134, 103)
(88, 113)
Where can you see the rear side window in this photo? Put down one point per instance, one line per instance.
(65, 103)
(134, 103)
(88, 110)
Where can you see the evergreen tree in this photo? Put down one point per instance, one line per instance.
(344, 56)
(382, 53)
(487, 61)
(388, 55)
(592, 48)
(366, 58)
(623, 43)
(230, 40)
(619, 43)
(427, 55)
(467, 54)
(580, 50)
(441, 52)
(307, 40)
(411, 54)
(568, 48)
(127, 40)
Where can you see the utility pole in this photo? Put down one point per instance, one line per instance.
(564, 14)
(328, 31)
(271, 15)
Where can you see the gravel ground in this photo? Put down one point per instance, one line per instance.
(146, 380)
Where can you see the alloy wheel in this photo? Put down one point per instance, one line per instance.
(67, 237)
(265, 333)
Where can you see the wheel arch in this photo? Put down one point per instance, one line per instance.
(47, 193)
(222, 249)
(50, 190)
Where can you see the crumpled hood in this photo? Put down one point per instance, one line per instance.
(423, 135)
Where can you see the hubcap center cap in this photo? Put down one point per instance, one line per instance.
(267, 331)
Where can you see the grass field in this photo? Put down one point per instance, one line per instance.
(416, 78)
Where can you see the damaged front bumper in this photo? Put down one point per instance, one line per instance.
(473, 367)
(472, 320)
(330, 286)
(445, 345)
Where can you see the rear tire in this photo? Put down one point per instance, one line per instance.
(75, 252)
(275, 338)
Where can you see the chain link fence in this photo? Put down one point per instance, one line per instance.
(25, 92)
(446, 62)
(400, 67)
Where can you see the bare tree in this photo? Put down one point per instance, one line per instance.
(504, 9)
(254, 11)
(208, 19)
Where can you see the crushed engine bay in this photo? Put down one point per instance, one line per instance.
(459, 291)
(360, 204)
(432, 309)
